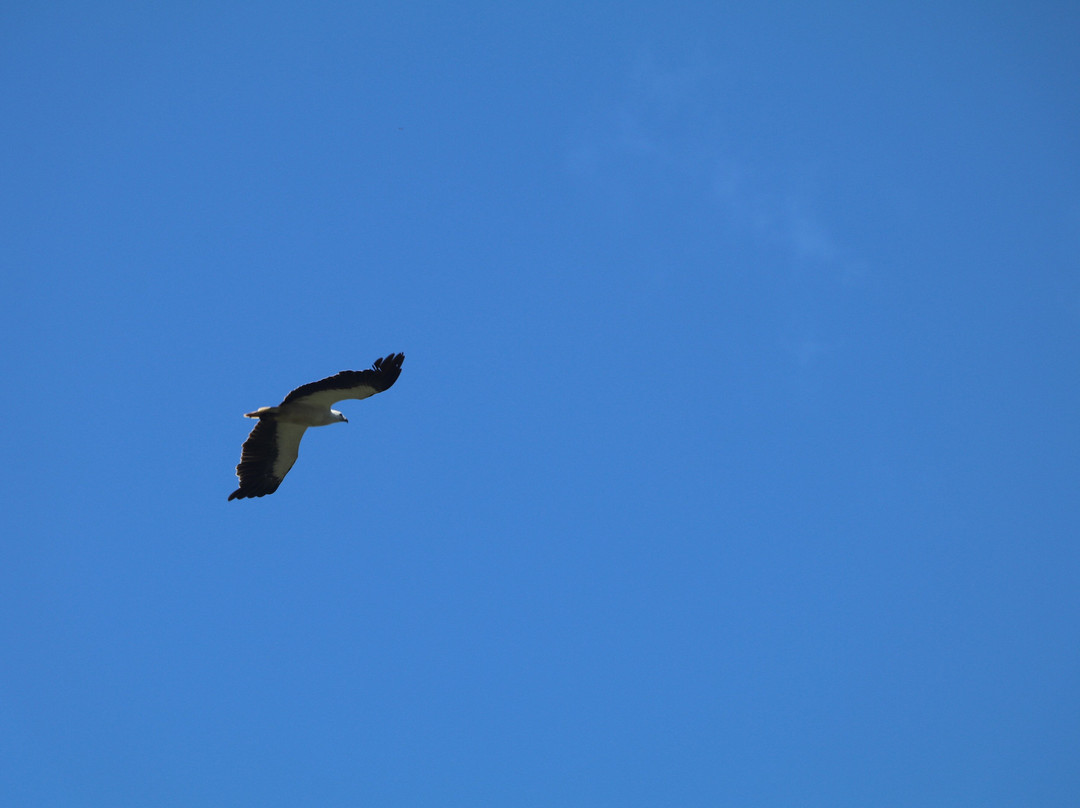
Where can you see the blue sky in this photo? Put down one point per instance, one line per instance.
(735, 456)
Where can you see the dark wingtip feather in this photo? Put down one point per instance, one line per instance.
(390, 361)
(389, 364)
(251, 492)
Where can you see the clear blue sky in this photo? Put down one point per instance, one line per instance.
(736, 456)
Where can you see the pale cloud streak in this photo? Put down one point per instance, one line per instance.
(671, 126)
(673, 133)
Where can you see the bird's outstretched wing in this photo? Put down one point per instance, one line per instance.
(350, 383)
(268, 454)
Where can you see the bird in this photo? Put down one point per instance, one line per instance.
(271, 448)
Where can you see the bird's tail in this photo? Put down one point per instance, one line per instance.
(262, 412)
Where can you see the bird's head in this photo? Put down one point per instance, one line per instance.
(340, 415)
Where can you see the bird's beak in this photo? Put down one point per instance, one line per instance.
(343, 418)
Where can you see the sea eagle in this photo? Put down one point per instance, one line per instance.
(271, 448)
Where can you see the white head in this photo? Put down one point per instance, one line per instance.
(339, 416)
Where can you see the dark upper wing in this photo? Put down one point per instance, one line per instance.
(268, 454)
(350, 383)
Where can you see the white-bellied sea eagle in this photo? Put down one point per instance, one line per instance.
(271, 448)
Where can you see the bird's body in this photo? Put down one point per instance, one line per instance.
(273, 445)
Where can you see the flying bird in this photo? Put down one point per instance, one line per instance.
(271, 448)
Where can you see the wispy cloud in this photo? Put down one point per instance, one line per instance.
(774, 212)
(674, 130)
(671, 124)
